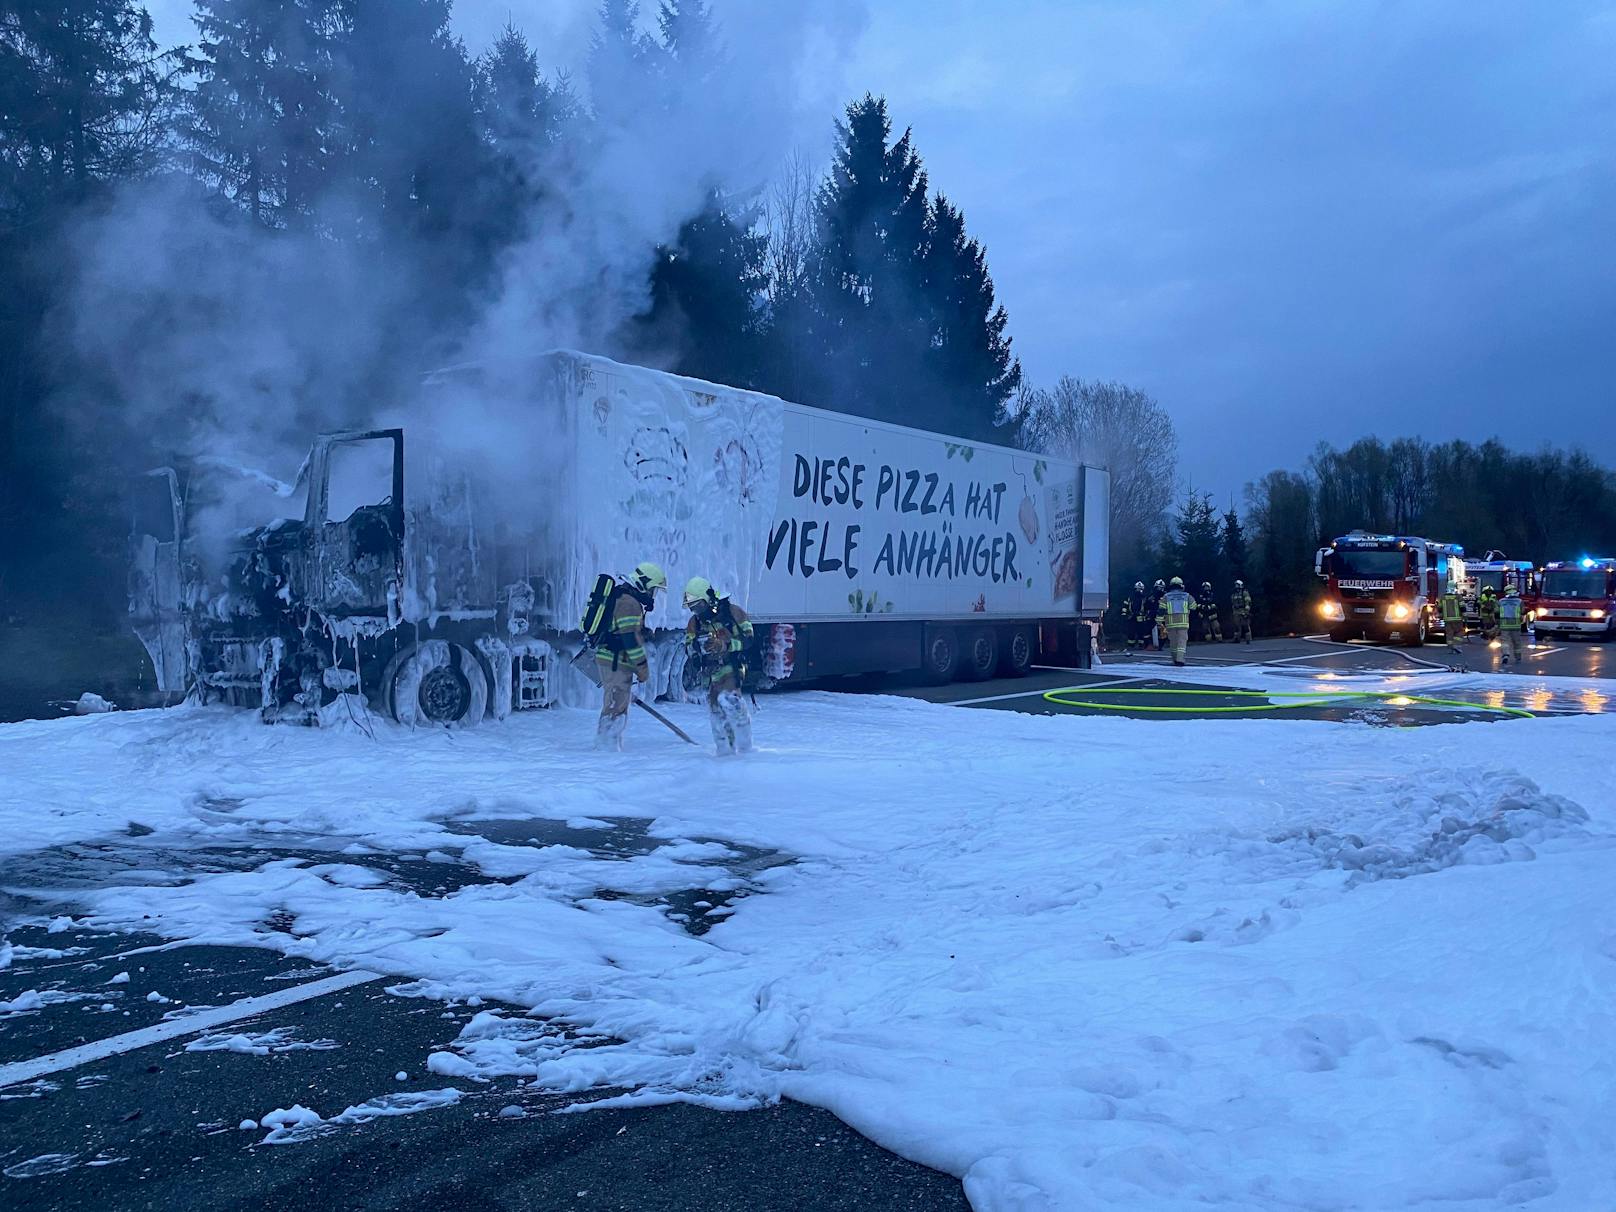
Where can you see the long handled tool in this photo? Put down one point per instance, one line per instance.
(640, 703)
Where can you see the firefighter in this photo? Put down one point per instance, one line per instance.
(1206, 609)
(1512, 622)
(1487, 608)
(621, 659)
(1156, 637)
(1173, 617)
(1135, 620)
(1453, 624)
(718, 635)
(1240, 612)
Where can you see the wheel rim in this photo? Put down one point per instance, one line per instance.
(942, 652)
(982, 652)
(445, 695)
(1020, 650)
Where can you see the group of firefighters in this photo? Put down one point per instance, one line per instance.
(1164, 617)
(1503, 620)
(717, 638)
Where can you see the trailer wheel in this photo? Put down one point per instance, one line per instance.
(1016, 649)
(980, 658)
(436, 682)
(940, 658)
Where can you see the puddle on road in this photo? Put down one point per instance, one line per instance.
(141, 858)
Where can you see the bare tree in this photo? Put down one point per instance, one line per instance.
(788, 217)
(1113, 426)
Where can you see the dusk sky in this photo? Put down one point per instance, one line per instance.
(1288, 221)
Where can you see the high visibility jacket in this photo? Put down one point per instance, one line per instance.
(1174, 611)
(625, 641)
(1134, 607)
(1452, 608)
(1206, 603)
(722, 635)
(1510, 613)
(1488, 607)
(1240, 602)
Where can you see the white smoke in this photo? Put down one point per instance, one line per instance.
(222, 339)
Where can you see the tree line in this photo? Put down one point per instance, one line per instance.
(365, 130)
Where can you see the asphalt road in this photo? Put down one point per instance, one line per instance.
(159, 1126)
(1140, 687)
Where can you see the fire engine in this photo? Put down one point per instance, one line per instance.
(1491, 571)
(1577, 597)
(1385, 586)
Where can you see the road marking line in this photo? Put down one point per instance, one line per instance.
(1028, 694)
(71, 1058)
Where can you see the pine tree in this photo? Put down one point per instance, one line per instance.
(1192, 547)
(264, 128)
(870, 338)
(969, 356)
(1232, 546)
(706, 293)
(84, 98)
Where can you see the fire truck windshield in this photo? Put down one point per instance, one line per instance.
(1589, 585)
(1493, 580)
(1357, 563)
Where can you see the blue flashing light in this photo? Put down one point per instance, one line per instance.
(1587, 561)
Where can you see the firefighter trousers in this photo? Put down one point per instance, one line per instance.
(617, 695)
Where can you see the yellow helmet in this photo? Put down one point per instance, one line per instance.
(649, 577)
(699, 590)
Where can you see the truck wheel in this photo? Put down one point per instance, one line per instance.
(941, 657)
(1417, 640)
(1016, 649)
(436, 682)
(980, 658)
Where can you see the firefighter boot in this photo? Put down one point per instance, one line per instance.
(738, 718)
(723, 733)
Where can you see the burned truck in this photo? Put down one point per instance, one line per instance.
(436, 569)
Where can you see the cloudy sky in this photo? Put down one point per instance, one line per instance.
(1288, 220)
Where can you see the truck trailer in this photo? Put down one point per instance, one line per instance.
(409, 565)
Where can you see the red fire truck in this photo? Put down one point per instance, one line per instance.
(1577, 597)
(1384, 586)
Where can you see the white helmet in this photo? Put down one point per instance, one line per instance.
(699, 591)
(648, 577)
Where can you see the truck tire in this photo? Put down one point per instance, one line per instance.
(436, 683)
(1417, 640)
(940, 657)
(979, 657)
(1017, 646)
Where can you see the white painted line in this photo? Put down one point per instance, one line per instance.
(71, 1058)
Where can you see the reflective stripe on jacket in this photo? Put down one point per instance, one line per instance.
(1174, 612)
(1452, 608)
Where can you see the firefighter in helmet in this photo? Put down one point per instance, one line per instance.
(1453, 624)
(1512, 622)
(1173, 617)
(1487, 608)
(621, 659)
(1240, 613)
(1135, 619)
(718, 635)
(1206, 609)
(1156, 637)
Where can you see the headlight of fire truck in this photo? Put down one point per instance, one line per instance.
(1596, 614)
(1331, 611)
(1398, 611)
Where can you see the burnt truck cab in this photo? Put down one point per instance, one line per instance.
(1384, 587)
(274, 615)
(1577, 597)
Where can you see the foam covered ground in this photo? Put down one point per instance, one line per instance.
(1080, 962)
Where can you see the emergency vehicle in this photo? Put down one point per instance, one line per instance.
(1492, 571)
(1385, 587)
(1577, 597)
